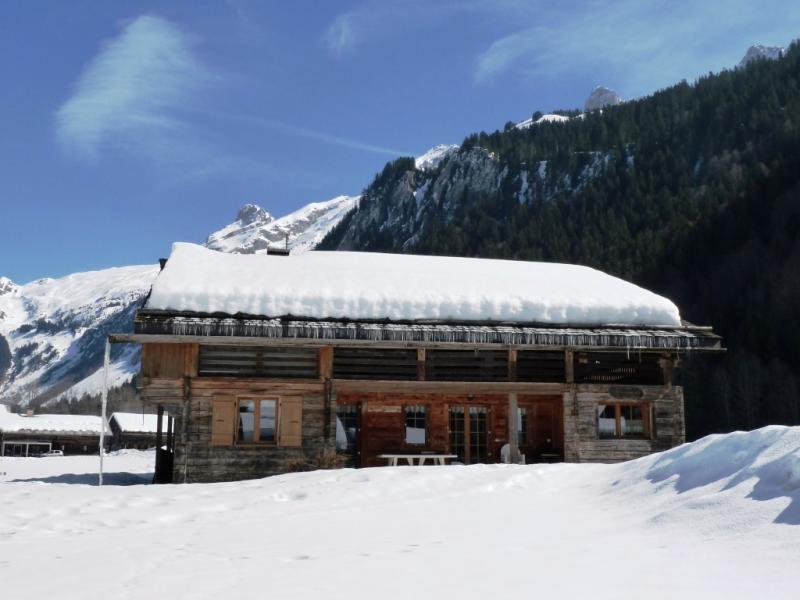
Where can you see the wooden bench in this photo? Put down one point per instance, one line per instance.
(439, 459)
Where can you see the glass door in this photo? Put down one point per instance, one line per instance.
(468, 433)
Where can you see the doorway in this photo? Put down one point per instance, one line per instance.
(469, 432)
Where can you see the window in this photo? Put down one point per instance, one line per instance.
(415, 425)
(257, 412)
(624, 420)
(522, 426)
(346, 427)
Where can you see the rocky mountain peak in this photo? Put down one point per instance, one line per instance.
(6, 286)
(759, 51)
(600, 97)
(253, 213)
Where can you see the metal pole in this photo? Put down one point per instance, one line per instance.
(104, 402)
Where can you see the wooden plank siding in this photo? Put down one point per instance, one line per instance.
(169, 377)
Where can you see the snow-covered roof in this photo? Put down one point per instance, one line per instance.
(137, 422)
(61, 424)
(373, 286)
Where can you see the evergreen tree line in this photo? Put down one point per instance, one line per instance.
(698, 200)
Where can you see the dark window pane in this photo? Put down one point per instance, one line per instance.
(415, 425)
(266, 421)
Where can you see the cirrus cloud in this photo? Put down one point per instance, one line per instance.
(129, 92)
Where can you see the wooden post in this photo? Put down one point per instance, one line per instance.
(667, 364)
(569, 366)
(512, 364)
(185, 412)
(326, 362)
(513, 428)
(326, 374)
(159, 437)
(420, 364)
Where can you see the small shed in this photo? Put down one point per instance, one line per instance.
(34, 434)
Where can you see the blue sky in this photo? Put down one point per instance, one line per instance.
(126, 126)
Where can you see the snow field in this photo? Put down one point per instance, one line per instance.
(719, 518)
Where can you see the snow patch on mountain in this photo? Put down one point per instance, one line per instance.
(433, 157)
(255, 230)
(761, 52)
(548, 118)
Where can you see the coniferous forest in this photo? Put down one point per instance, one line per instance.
(697, 197)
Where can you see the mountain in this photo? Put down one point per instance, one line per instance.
(693, 192)
(761, 52)
(53, 331)
(601, 97)
(255, 230)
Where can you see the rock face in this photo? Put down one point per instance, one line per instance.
(255, 230)
(397, 206)
(600, 97)
(761, 52)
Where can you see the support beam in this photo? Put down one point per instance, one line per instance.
(569, 366)
(420, 364)
(512, 364)
(513, 428)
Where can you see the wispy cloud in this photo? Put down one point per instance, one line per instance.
(127, 94)
(312, 134)
(648, 43)
(378, 19)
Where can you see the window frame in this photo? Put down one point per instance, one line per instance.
(257, 441)
(648, 422)
(425, 411)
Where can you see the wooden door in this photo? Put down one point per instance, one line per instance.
(348, 432)
(541, 429)
(469, 433)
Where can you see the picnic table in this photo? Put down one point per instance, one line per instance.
(439, 459)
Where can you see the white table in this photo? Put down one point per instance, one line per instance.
(439, 459)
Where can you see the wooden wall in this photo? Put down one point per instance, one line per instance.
(169, 377)
(581, 441)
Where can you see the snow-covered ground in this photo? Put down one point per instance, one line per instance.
(719, 518)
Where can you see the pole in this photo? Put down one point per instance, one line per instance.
(103, 404)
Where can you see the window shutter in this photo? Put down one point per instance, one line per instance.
(223, 420)
(290, 432)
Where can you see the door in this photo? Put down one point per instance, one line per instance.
(541, 437)
(348, 432)
(469, 433)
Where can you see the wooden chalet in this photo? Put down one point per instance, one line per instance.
(277, 363)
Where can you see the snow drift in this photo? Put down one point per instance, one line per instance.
(718, 518)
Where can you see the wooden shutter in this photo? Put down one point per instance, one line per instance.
(223, 420)
(290, 431)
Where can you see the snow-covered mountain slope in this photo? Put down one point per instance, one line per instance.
(53, 331)
(255, 230)
(759, 51)
(715, 519)
(55, 328)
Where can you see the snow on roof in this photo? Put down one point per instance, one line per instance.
(361, 285)
(63, 424)
(138, 422)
